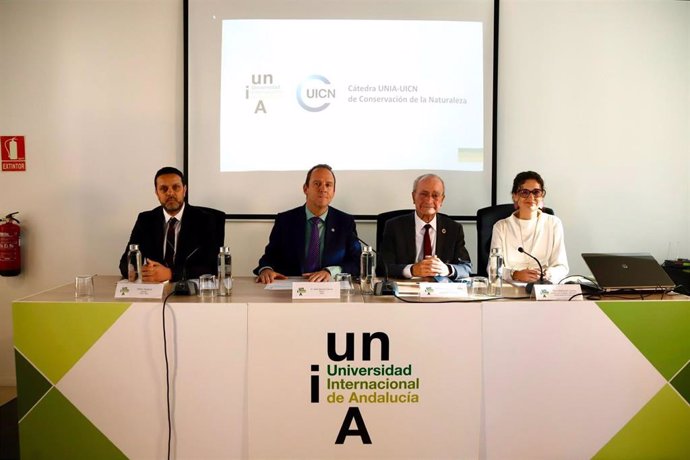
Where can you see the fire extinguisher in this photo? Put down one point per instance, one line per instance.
(10, 254)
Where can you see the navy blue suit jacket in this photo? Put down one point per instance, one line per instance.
(286, 245)
(398, 248)
(202, 228)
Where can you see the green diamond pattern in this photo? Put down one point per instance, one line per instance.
(30, 384)
(659, 329)
(54, 335)
(681, 382)
(661, 430)
(57, 427)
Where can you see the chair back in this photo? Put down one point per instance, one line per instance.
(381, 220)
(486, 218)
(218, 219)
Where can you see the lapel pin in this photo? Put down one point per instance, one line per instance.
(443, 230)
(332, 230)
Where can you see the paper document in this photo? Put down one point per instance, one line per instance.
(286, 285)
(282, 285)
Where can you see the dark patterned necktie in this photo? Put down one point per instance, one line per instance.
(170, 243)
(314, 250)
(427, 241)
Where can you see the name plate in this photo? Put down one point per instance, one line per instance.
(128, 290)
(558, 292)
(442, 290)
(306, 290)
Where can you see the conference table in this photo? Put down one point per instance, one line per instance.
(258, 375)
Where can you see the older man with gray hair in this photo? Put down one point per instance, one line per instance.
(425, 243)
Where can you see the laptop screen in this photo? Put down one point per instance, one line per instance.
(627, 271)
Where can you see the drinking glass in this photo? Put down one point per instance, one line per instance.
(346, 286)
(208, 286)
(479, 286)
(83, 287)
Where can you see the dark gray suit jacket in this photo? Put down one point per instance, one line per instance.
(399, 249)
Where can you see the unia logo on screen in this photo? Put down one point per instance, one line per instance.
(315, 93)
(262, 88)
(354, 385)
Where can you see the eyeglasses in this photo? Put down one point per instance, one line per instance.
(537, 192)
(434, 196)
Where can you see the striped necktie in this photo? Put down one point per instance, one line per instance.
(170, 243)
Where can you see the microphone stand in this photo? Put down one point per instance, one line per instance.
(185, 286)
(530, 286)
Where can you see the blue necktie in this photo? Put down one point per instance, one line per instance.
(313, 262)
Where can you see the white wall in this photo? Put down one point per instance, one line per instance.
(96, 88)
(595, 95)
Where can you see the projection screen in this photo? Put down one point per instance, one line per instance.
(382, 91)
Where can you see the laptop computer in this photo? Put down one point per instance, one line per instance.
(627, 271)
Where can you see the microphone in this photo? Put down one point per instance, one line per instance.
(384, 287)
(530, 286)
(185, 286)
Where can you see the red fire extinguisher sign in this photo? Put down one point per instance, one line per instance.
(13, 153)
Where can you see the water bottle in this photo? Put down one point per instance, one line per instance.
(367, 270)
(134, 263)
(495, 272)
(224, 271)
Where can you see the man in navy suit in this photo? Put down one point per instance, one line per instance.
(315, 240)
(195, 234)
(425, 243)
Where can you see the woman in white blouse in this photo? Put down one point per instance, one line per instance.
(537, 233)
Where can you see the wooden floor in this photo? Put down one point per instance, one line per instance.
(9, 435)
(7, 394)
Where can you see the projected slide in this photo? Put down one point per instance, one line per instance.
(376, 95)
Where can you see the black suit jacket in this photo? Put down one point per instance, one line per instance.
(201, 228)
(399, 249)
(286, 245)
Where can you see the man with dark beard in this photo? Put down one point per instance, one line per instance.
(168, 234)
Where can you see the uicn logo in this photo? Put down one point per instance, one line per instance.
(314, 94)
